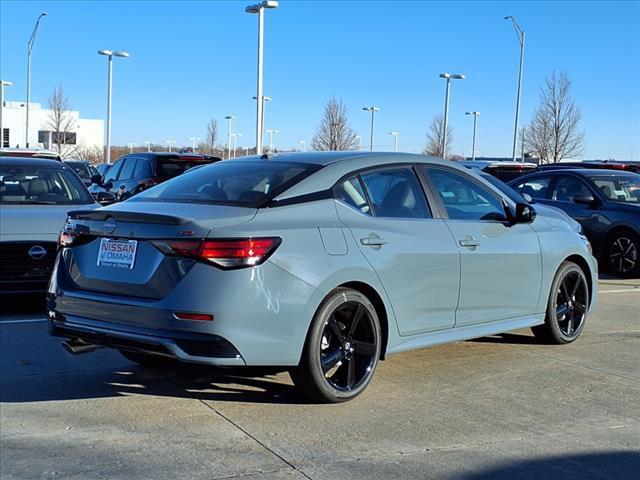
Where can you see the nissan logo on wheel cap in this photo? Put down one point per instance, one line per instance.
(37, 252)
(110, 225)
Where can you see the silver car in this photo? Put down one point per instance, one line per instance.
(35, 196)
(324, 263)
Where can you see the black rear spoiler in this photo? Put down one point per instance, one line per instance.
(132, 217)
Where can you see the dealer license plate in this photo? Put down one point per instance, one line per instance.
(117, 253)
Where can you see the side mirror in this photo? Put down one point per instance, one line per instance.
(584, 200)
(96, 179)
(528, 198)
(105, 198)
(525, 213)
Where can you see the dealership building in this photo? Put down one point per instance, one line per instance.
(84, 132)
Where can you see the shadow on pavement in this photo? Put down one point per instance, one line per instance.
(618, 465)
(512, 338)
(22, 305)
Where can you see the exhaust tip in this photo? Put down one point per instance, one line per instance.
(76, 346)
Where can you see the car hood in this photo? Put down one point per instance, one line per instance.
(633, 208)
(555, 214)
(35, 222)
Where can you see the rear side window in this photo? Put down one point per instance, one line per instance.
(567, 188)
(143, 169)
(351, 192)
(127, 169)
(536, 187)
(112, 173)
(396, 193)
(241, 183)
(172, 167)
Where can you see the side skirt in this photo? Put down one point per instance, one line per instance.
(466, 333)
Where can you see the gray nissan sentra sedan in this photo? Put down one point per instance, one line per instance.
(323, 263)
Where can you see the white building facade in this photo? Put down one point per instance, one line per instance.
(83, 132)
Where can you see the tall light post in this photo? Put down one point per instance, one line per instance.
(359, 139)
(148, 144)
(110, 54)
(130, 145)
(265, 99)
(235, 137)
(228, 118)
(304, 145)
(395, 140)
(473, 143)
(3, 83)
(373, 111)
(271, 132)
(521, 38)
(29, 48)
(448, 77)
(170, 142)
(259, 9)
(194, 141)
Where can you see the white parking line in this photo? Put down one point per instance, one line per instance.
(621, 290)
(29, 320)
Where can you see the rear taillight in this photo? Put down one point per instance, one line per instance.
(68, 239)
(224, 253)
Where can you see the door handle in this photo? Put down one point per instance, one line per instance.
(469, 243)
(373, 241)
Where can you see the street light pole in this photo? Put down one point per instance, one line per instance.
(170, 142)
(3, 84)
(304, 145)
(235, 137)
(29, 48)
(271, 132)
(148, 144)
(130, 145)
(259, 9)
(395, 140)
(448, 77)
(265, 99)
(475, 119)
(373, 111)
(110, 54)
(521, 39)
(228, 118)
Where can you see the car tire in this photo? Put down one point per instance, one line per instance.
(147, 359)
(567, 306)
(622, 254)
(342, 348)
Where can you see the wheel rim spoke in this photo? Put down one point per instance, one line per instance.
(569, 324)
(561, 312)
(363, 348)
(331, 359)
(357, 316)
(580, 308)
(351, 373)
(333, 323)
(575, 287)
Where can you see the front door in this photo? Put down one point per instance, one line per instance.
(501, 266)
(412, 253)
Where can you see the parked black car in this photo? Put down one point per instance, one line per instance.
(84, 169)
(605, 202)
(136, 172)
(102, 168)
(598, 164)
(504, 170)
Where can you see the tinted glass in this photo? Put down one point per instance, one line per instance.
(112, 173)
(464, 199)
(619, 188)
(238, 183)
(350, 192)
(396, 193)
(537, 187)
(503, 187)
(127, 169)
(169, 168)
(143, 169)
(568, 188)
(34, 185)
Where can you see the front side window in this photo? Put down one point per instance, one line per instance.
(350, 192)
(242, 183)
(396, 193)
(35, 185)
(127, 169)
(567, 188)
(463, 198)
(112, 173)
(535, 187)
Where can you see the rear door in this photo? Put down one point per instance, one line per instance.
(501, 267)
(565, 190)
(412, 253)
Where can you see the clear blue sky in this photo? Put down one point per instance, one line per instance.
(192, 61)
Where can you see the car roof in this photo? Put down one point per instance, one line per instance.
(581, 172)
(168, 154)
(328, 158)
(480, 164)
(77, 161)
(32, 162)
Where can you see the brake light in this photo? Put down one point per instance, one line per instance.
(193, 316)
(224, 253)
(68, 239)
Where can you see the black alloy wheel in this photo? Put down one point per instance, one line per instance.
(342, 348)
(567, 306)
(623, 254)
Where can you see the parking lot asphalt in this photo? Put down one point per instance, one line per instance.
(497, 407)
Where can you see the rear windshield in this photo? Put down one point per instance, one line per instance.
(169, 168)
(507, 174)
(619, 188)
(41, 185)
(243, 183)
(84, 170)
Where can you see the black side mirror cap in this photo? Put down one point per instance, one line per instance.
(525, 213)
(96, 179)
(585, 200)
(105, 198)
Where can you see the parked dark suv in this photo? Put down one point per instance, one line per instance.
(605, 202)
(599, 164)
(136, 172)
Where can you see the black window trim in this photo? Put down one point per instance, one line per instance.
(585, 181)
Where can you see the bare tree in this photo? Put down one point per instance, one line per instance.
(434, 137)
(60, 123)
(93, 154)
(334, 132)
(211, 135)
(554, 132)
